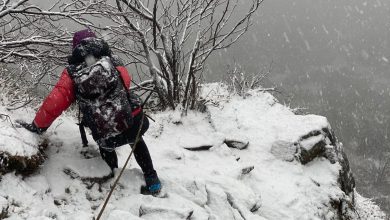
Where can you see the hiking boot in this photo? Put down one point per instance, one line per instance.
(153, 184)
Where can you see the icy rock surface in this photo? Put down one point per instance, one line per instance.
(20, 150)
(259, 181)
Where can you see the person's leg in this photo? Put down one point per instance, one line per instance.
(110, 157)
(142, 156)
(141, 152)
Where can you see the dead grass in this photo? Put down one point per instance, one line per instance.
(22, 165)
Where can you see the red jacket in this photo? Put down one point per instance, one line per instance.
(62, 96)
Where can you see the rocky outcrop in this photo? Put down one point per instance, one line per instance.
(20, 164)
(21, 151)
(323, 143)
(227, 164)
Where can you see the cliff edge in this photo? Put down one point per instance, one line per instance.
(242, 158)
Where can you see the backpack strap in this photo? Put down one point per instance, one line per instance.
(71, 70)
(83, 135)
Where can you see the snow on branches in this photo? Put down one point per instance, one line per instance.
(172, 40)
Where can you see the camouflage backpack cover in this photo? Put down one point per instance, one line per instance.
(104, 101)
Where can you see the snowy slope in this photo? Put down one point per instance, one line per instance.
(263, 181)
(17, 142)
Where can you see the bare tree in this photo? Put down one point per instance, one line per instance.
(170, 40)
(28, 34)
(35, 40)
(38, 33)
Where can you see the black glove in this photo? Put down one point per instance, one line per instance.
(31, 127)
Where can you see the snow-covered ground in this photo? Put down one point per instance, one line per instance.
(257, 182)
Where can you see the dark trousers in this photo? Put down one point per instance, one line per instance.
(141, 152)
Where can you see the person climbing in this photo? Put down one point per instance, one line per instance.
(100, 84)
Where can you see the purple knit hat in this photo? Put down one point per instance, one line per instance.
(81, 35)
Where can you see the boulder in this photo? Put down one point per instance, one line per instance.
(238, 144)
(284, 150)
(20, 150)
(22, 164)
(322, 143)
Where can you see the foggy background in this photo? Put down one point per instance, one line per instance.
(332, 58)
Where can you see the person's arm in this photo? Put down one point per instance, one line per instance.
(125, 75)
(59, 99)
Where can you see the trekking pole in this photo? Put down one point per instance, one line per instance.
(142, 106)
(123, 168)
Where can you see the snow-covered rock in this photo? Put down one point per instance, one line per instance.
(20, 150)
(292, 168)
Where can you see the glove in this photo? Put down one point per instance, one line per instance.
(31, 127)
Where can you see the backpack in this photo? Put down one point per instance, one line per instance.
(103, 99)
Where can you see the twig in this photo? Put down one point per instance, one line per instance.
(15, 108)
(7, 118)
